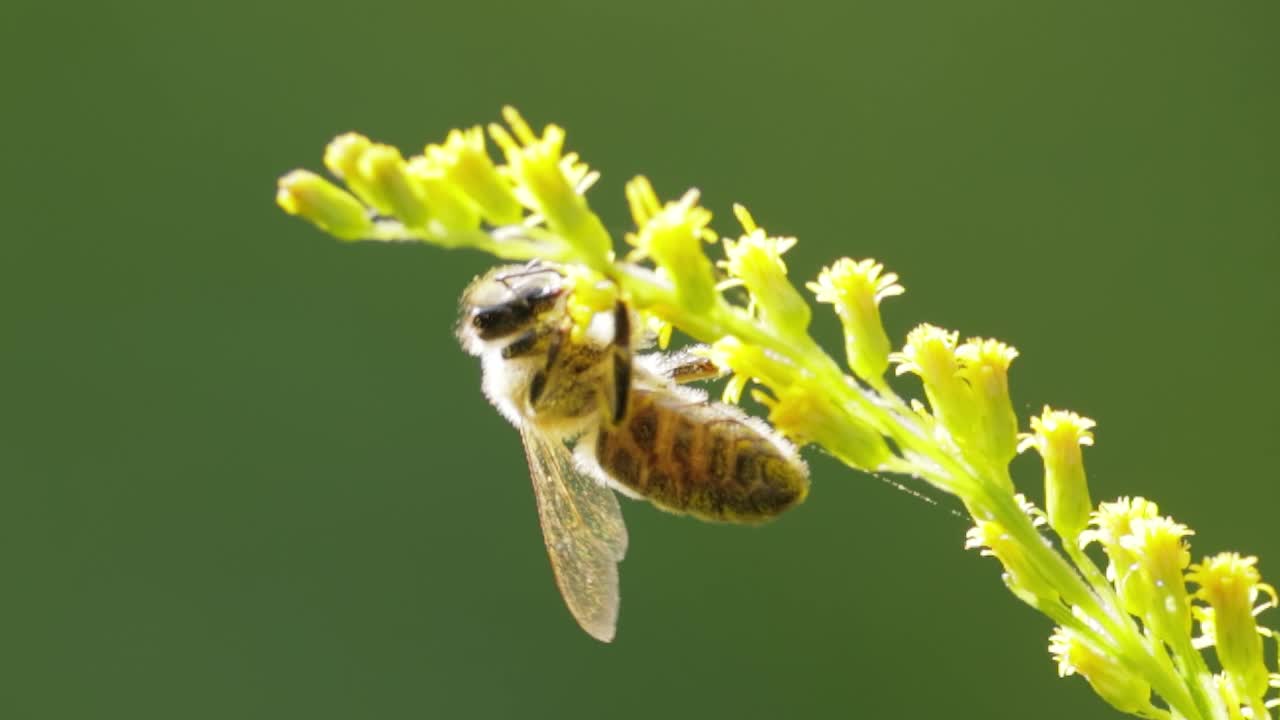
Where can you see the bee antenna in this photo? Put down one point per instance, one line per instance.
(535, 267)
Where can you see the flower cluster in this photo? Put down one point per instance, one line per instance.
(1130, 629)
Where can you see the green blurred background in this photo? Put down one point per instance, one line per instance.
(245, 472)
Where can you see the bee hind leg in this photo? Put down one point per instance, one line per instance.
(684, 366)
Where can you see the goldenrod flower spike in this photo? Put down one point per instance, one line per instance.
(1113, 682)
(535, 165)
(1128, 631)
(323, 204)
(855, 289)
(755, 261)
(1230, 583)
(1058, 436)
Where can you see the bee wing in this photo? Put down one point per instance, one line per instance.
(584, 532)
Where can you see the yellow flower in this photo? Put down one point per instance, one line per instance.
(1111, 522)
(323, 204)
(749, 362)
(548, 180)
(930, 352)
(1161, 554)
(1121, 688)
(1231, 585)
(1058, 436)
(466, 165)
(984, 364)
(1021, 574)
(755, 261)
(591, 295)
(449, 206)
(806, 416)
(855, 289)
(344, 156)
(383, 170)
(672, 236)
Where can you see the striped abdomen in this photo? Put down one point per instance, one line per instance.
(704, 459)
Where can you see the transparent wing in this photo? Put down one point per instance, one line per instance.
(585, 535)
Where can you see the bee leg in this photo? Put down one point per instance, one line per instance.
(683, 366)
(621, 362)
(698, 368)
(525, 344)
(538, 384)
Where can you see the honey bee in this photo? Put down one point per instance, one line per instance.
(634, 429)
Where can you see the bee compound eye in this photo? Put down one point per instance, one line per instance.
(500, 320)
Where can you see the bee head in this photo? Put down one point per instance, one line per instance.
(507, 302)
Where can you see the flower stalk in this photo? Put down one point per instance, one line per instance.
(1127, 631)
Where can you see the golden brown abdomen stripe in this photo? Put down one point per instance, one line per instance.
(700, 459)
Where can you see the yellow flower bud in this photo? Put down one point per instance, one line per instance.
(1231, 585)
(1157, 545)
(467, 166)
(750, 362)
(855, 289)
(984, 364)
(755, 261)
(383, 170)
(1058, 436)
(342, 156)
(930, 352)
(323, 204)
(672, 236)
(806, 415)
(592, 294)
(535, 165)
(446, 202)
(1020, 574)
(1121, 688)
(1111, 522)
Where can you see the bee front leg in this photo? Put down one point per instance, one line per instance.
(621, 390)
(538, 384)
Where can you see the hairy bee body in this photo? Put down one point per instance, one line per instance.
(634, 429)
(671, 445)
